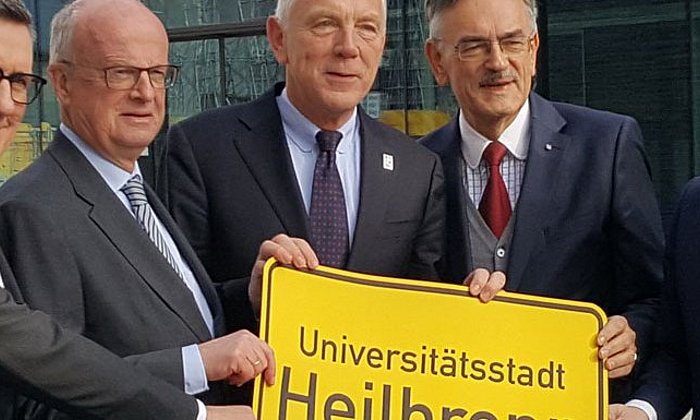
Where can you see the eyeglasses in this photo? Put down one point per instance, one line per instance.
(24, 87)
(511, 46)
(126, 77)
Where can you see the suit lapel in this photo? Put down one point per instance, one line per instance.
(547, 150)
(375, 185)
(193, 262)
(8, 279)
(265, 152)
(129, 239)
(459, 257)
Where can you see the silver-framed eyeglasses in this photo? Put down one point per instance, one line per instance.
(24, 87)
(480, 49)
(126, 77)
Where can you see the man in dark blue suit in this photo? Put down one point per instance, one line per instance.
(569, 209)
(671, 383)
(236, 176)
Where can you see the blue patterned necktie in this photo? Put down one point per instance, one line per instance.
(329, 222)
(135, 193)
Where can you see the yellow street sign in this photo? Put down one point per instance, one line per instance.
(355, 346)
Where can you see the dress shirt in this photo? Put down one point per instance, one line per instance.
(201, 411)
(647, 408)
(115, 177)
(516, 138)
(301, 140)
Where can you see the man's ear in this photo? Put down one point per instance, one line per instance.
(535, 47)
(59, 80)
(434, 55)
(275, 37)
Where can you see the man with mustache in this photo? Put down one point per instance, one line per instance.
(554, 199)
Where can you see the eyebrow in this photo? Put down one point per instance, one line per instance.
(474, 38)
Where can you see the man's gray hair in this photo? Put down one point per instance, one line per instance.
(434, 9)
(62, 26)
(15, 11)
(283, 7)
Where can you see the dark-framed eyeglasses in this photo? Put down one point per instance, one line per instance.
(126, 77)
(24, 87)
(480, 49)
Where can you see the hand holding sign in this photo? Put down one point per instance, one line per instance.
(622, 412)
(285, 249)
(617, 342)
(237, 358)
(485, 285)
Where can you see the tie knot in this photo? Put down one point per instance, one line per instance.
(134, 191)
(328, 140)
(494, 153)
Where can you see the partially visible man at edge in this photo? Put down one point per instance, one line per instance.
(40, 359)
(569, 210)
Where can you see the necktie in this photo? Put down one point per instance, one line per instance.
(135, 193)
(329, 223)
(495, 205)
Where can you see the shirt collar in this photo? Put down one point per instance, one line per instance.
(301, 132)
(113, 175)
(516, 137)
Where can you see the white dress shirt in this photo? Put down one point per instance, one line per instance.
(644, 406)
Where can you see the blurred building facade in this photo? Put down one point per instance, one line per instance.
(638, 57)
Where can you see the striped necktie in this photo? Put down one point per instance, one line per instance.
(135, 193)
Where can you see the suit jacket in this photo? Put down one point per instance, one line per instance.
(80, 256)
(72, 373)
(672, 382)
(230, 184)
(587, 223)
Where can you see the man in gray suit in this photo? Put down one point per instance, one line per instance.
(89, 243)
(38, 356)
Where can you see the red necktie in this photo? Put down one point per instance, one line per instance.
(495, 205)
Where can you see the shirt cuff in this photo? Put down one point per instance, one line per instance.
(201, 411)
(193, 370)
(644, 406)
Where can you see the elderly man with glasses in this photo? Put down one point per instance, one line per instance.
(36, 355)
(547, 198)
(89, 243)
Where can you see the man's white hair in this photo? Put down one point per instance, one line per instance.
(283, 7)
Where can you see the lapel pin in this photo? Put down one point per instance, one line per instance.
(388, 162)
(548, 147)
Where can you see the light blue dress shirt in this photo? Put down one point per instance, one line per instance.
(301, 140)
(116, 177)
